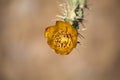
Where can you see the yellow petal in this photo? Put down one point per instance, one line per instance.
(62, 37)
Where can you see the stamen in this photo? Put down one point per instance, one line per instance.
(62, 39)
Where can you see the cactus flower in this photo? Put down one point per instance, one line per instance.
(61, 37)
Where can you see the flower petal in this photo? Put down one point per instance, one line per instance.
(62, 37)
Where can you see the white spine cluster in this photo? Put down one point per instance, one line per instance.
(72, 11)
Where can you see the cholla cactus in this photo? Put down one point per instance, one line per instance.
(73, 12)
(62, 37)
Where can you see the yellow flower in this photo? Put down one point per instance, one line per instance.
(62, 37)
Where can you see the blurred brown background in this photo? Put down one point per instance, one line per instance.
(25, 55)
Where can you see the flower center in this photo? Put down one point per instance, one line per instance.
(62, 39)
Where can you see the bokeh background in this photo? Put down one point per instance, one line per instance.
(25, 55)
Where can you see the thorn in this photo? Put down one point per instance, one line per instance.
(78, 42)
(82, 24)
(80, 35)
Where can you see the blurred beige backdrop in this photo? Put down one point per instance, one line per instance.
(25, 55)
